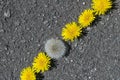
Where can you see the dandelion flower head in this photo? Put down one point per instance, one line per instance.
(71, 31)
(101, 6)
(86, 18)
(41, 63)
(27, 74)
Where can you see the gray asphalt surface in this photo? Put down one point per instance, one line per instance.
(25, 25)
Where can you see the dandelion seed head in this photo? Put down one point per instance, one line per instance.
(55, 48)
(27, 74)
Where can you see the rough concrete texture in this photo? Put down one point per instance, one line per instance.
(25, 25)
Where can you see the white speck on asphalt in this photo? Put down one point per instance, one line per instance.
(71, 60)
(93, 70)
(7, 13)
(38, 45)
(8, 53)
(3, 60)
(22, 41)
(102, 23)
(107, 18)
(56, 21)
(17, 23)
(49, 26)
(89, 77)
(116, 19)
(83, 3)
(45, 22)
(45, 5)
(76, 44)
(28, 53)
(27, 29)
(32, 39)
(1, 30)
(77, 0)
(88, 28)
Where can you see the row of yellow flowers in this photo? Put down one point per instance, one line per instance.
(74, 29)
(70, 32)
(41, 63)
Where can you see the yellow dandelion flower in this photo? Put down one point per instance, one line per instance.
(41, 63)
(101, 6)
(86, 18)
(71, 31)
(27, 74)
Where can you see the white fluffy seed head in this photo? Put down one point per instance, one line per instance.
(55, 48)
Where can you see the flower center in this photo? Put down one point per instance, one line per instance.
(54, 48)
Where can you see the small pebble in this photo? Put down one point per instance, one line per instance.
(25, 59)
(28, 53)
(56, 21)
(6, 47)
(102, 23)
(1, 30)
(89, 77)
(66, 59)
(7, 13)
(83, 3)
(22, 41)
(107, 19)
(71, 60)
(76, 44)
(116, 19)
(88, 28)
(3, 60)
(43, 15)
(49, 26)
(17, 23)
(46, 6)
(32, 39)
(45, 22)
(27, 29)
(8, 53)
(38, 45)
(12, 59)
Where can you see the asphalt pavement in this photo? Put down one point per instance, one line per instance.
(26, 25)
